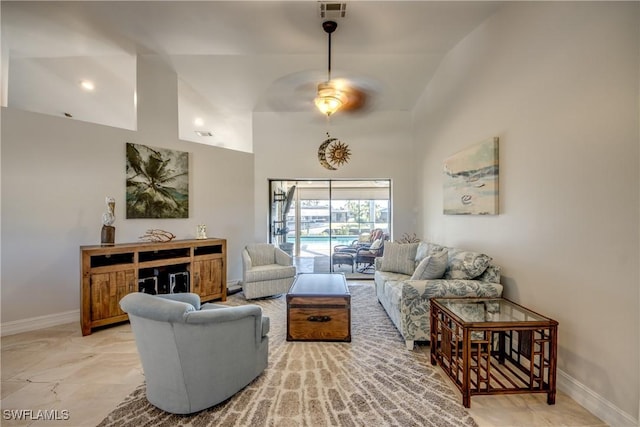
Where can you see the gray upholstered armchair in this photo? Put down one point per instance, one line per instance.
(195, 358)
(266, 270)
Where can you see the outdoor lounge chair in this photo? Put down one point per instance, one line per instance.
(368, 255)
(365, 241)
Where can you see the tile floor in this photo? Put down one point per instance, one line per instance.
(58, 369)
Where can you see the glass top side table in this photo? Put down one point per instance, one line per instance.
(494, 346)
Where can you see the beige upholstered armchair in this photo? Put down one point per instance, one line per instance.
(266, 270)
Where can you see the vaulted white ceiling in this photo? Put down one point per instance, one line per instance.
(232, 58)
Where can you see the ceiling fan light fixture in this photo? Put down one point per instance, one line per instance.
(330, 99)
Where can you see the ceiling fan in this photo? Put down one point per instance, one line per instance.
(337, 94)
(301, 90)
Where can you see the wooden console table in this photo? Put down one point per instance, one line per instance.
(494, 346)
(108, 273)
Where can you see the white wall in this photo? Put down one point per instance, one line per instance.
(56, 173)
(558, 83)
(286, 146)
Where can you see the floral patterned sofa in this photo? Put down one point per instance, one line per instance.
(409, 274)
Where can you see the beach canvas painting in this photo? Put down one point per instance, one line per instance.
(471, 180)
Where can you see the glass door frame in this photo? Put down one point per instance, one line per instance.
(285, 184)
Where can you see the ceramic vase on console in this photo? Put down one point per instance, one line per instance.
(201, 231)
(108, 234)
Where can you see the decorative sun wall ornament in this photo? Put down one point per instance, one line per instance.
(333, 153)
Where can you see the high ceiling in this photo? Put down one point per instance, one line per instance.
(232, 58)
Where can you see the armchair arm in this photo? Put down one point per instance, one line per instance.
(282, 257)
(368, 253)
(246, 264)
(188, 297)
(452, 288)
(345, 249)
(265, 320)
(361, 251)
(211, 306)
(229, 314)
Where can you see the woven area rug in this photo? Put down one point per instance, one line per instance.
(372, 381)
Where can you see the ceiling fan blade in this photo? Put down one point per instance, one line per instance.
(293, 92)
(356, 100)
(361, 93)
(296, 92)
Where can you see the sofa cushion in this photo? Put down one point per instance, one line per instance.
(432, 266)
(491, 274)
(466, 264)
(399, 257)
(386, 276)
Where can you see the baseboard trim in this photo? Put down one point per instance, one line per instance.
(593, 402)
(39, 322)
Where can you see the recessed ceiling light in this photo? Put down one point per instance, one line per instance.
(198, 121)
(87, 85)
(203, 133)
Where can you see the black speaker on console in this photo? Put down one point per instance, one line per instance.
(148, 285)
(179, 282)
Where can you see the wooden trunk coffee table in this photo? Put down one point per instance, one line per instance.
(319, 308)
(494, 346)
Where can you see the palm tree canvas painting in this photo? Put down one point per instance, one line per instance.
(157, 182)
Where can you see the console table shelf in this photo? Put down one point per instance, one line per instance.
(108, 273)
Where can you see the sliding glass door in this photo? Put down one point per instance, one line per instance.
(310, 219)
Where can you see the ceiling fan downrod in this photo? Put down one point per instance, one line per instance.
(329, 27)
(329, 98)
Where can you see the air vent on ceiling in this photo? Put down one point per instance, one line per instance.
(332, 10)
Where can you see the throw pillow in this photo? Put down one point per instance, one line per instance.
(422, 251)
(434, 247)
(465, 264)
(375, 246)
(491, 274)
(399, 257)
(431, 267)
